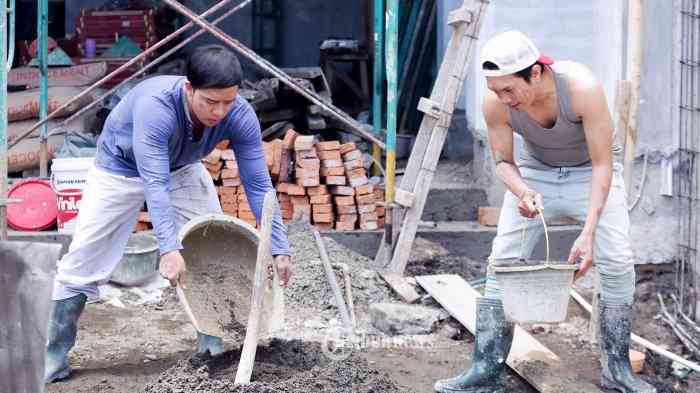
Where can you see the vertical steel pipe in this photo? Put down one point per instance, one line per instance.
(392, 38)
(378, 80)
(42, 54)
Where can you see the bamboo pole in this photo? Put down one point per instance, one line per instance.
(392, 39)
(634, 67)
(378, 81)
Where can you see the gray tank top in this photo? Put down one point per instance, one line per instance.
(563, 145)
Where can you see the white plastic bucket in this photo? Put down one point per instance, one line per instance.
(68, 179)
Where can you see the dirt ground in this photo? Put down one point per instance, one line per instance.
(128, 345)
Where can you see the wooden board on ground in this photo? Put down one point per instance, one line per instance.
(221, 253)
(533, 361)
(399, 285)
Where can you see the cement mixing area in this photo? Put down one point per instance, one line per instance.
(364, 197)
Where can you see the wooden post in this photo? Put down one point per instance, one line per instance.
(634, 67)
(250, 343)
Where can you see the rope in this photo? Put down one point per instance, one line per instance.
(546, 235)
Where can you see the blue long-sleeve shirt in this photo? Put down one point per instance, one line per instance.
(149, 134)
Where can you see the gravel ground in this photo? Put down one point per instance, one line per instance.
(284, 366)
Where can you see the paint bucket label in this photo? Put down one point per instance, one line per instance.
(68, 207)
(68, 178)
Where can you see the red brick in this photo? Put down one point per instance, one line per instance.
(144, 217)
(286, 205)
(369, 225)
(306, 172)
(323, 217)
(246, 215)
(276, 157)
(213, 157)
(381, 211)
(342, 190)
(335, 180)
(348, 218)
(378, 194)
(214, 167)
(289, 137)
(282, 197)
(285, 165)
(231, 164)
(309, 181)
(352, 155)
(304, 142)
(287, 214)
(328, 145)
(244, 206)
(295, 189)
(324, 226)
(329, 155)
(358, 181)
(326, 208)
(347, 147)
(357, 172)
(344, 200)
(268, 148)
(282, 187)
(228, 190)
(364, 217)
(229, 207)
(320, 199)
(381, 222)
(369, 208)
(350, 165)
(344, 226)
(347, 209)
(303, 154)
(488, 216)
(365, 199)
(229, 199)
(223, 145)
(235, 182)
(310, 163)
(141, 226)
(299, 200)
(364, 189)
(242, 197)
(337, 171)
(228, 155)
(229, 173)
(331, 164)
(318, 190)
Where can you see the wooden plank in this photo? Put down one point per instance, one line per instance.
(404, 198)
(533, 361)
(402, 288)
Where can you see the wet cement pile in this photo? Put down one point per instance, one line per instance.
(309, 287)
(281, 367)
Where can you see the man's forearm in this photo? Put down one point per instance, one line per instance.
(510, 175)
(600, 187)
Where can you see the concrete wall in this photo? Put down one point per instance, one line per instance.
(593, 32)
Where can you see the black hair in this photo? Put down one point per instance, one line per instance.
(213, 67)
(525, 73)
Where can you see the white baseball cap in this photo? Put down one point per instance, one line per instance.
(511, 52)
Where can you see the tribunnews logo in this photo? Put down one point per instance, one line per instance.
(339, 344)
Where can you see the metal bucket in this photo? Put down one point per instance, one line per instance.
(535, 291)
(221, 255)
(140, 260)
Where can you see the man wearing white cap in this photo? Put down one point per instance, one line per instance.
(568, 168)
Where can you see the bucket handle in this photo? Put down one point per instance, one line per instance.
(546, 235)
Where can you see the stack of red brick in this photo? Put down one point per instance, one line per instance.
(324, 183)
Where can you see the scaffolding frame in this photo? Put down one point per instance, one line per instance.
(204, 26)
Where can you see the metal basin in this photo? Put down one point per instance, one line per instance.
(140, 260)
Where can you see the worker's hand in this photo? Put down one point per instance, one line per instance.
(530, 204)
(582, 250)
(172, 268)
(284, 269)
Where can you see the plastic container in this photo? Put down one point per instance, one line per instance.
(36, 209)
(140, 260)
(535, 291)
(68, 178)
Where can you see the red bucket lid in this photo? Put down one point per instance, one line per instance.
(38, 208)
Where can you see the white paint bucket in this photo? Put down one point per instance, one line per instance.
(68, 178)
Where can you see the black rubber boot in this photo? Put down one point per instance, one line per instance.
(63, 330)
(615, 325)
(494, 335)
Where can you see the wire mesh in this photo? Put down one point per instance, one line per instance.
(687, 184)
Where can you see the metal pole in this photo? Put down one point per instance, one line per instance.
(392, 38)
(121, 68)
(378, 82)
(267, 66)
(153, 63)
(3, 122)
(42, 33)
